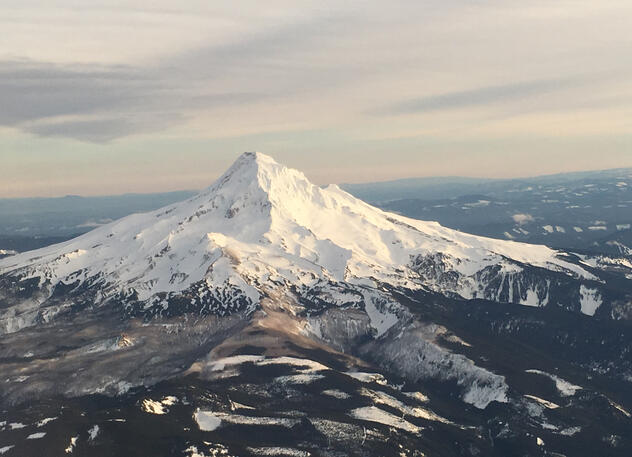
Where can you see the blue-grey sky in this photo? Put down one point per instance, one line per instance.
(117, 96)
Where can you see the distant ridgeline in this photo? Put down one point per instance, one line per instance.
(587, 212)
(63, 217)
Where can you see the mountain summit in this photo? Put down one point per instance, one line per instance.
(262, 226)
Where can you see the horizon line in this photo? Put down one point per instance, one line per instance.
(387, 181)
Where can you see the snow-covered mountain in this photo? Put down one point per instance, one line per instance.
(270, 316)
(262, 227)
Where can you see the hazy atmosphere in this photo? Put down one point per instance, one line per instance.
(129, 96)
(316, 228)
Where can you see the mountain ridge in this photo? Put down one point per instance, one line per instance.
(262, 223)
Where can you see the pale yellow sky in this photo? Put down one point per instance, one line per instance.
(122, 96)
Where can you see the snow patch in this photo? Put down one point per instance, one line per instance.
(153, 407)
(367, 377)
(221, 364)
(543, 402)
(302, 378)
(209, 421)
(417, 396)
(275, 450)
(336, 394)
(305, 365)
(589, 299)
(531, 298)
(619, 407)
(570, 431)
(380, 312)
(93, 432)
(72, 444)
(206, 420)
(565, 388)
(169, 400)
(234, 405)
(522, 218)
(478, 204)
(480, 394)
(214, 450)
(374, 414)
(417, 355)
(383, 398)
(45, 421)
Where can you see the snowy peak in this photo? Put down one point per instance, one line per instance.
(262, 226)
(256, 176)
(255, 167)
(254, 193)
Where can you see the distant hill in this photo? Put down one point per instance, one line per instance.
(72, 214)
(433, 188)
(587, 211)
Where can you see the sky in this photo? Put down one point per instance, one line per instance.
(107, 97)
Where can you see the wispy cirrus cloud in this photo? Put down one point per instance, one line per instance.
(36, 90)
(99, 103)
(478, 96)
(90, 103)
